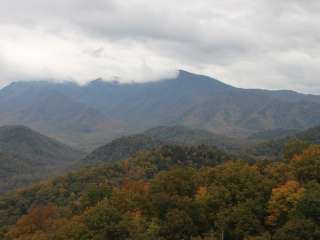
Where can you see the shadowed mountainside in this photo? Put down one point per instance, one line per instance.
(275, 147)
(27, 156)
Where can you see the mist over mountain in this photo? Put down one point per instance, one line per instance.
(90, 115)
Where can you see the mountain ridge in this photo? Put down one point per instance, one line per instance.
(102, 111)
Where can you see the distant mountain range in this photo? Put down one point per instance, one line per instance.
(27, 156)
(91, 115)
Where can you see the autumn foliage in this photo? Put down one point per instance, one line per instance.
(173, 193)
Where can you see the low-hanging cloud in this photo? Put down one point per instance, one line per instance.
(263, 43)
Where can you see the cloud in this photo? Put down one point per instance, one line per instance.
(263, 43)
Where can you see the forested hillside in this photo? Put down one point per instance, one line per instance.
(27, 156)
(275, 148)
(124, 147)
(173, 193)
(120, 149)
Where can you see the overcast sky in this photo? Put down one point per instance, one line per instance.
(248, 43)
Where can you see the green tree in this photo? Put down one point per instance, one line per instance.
(294, 147)
(298, 229)
(74, 229)
(309, 204)
(178, 181)
(104, 222)
(307, 164)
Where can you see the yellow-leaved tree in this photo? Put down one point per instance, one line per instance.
(283, 200)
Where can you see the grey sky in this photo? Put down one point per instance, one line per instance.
(262, 43)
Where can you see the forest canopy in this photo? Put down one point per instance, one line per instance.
(173, 193)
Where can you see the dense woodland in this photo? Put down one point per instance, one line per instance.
(174, 192)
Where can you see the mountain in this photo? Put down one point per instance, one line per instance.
(39, 106)
(27, 156)
(90, 115)
(128, 146)
(120, 149)
(200, 102)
